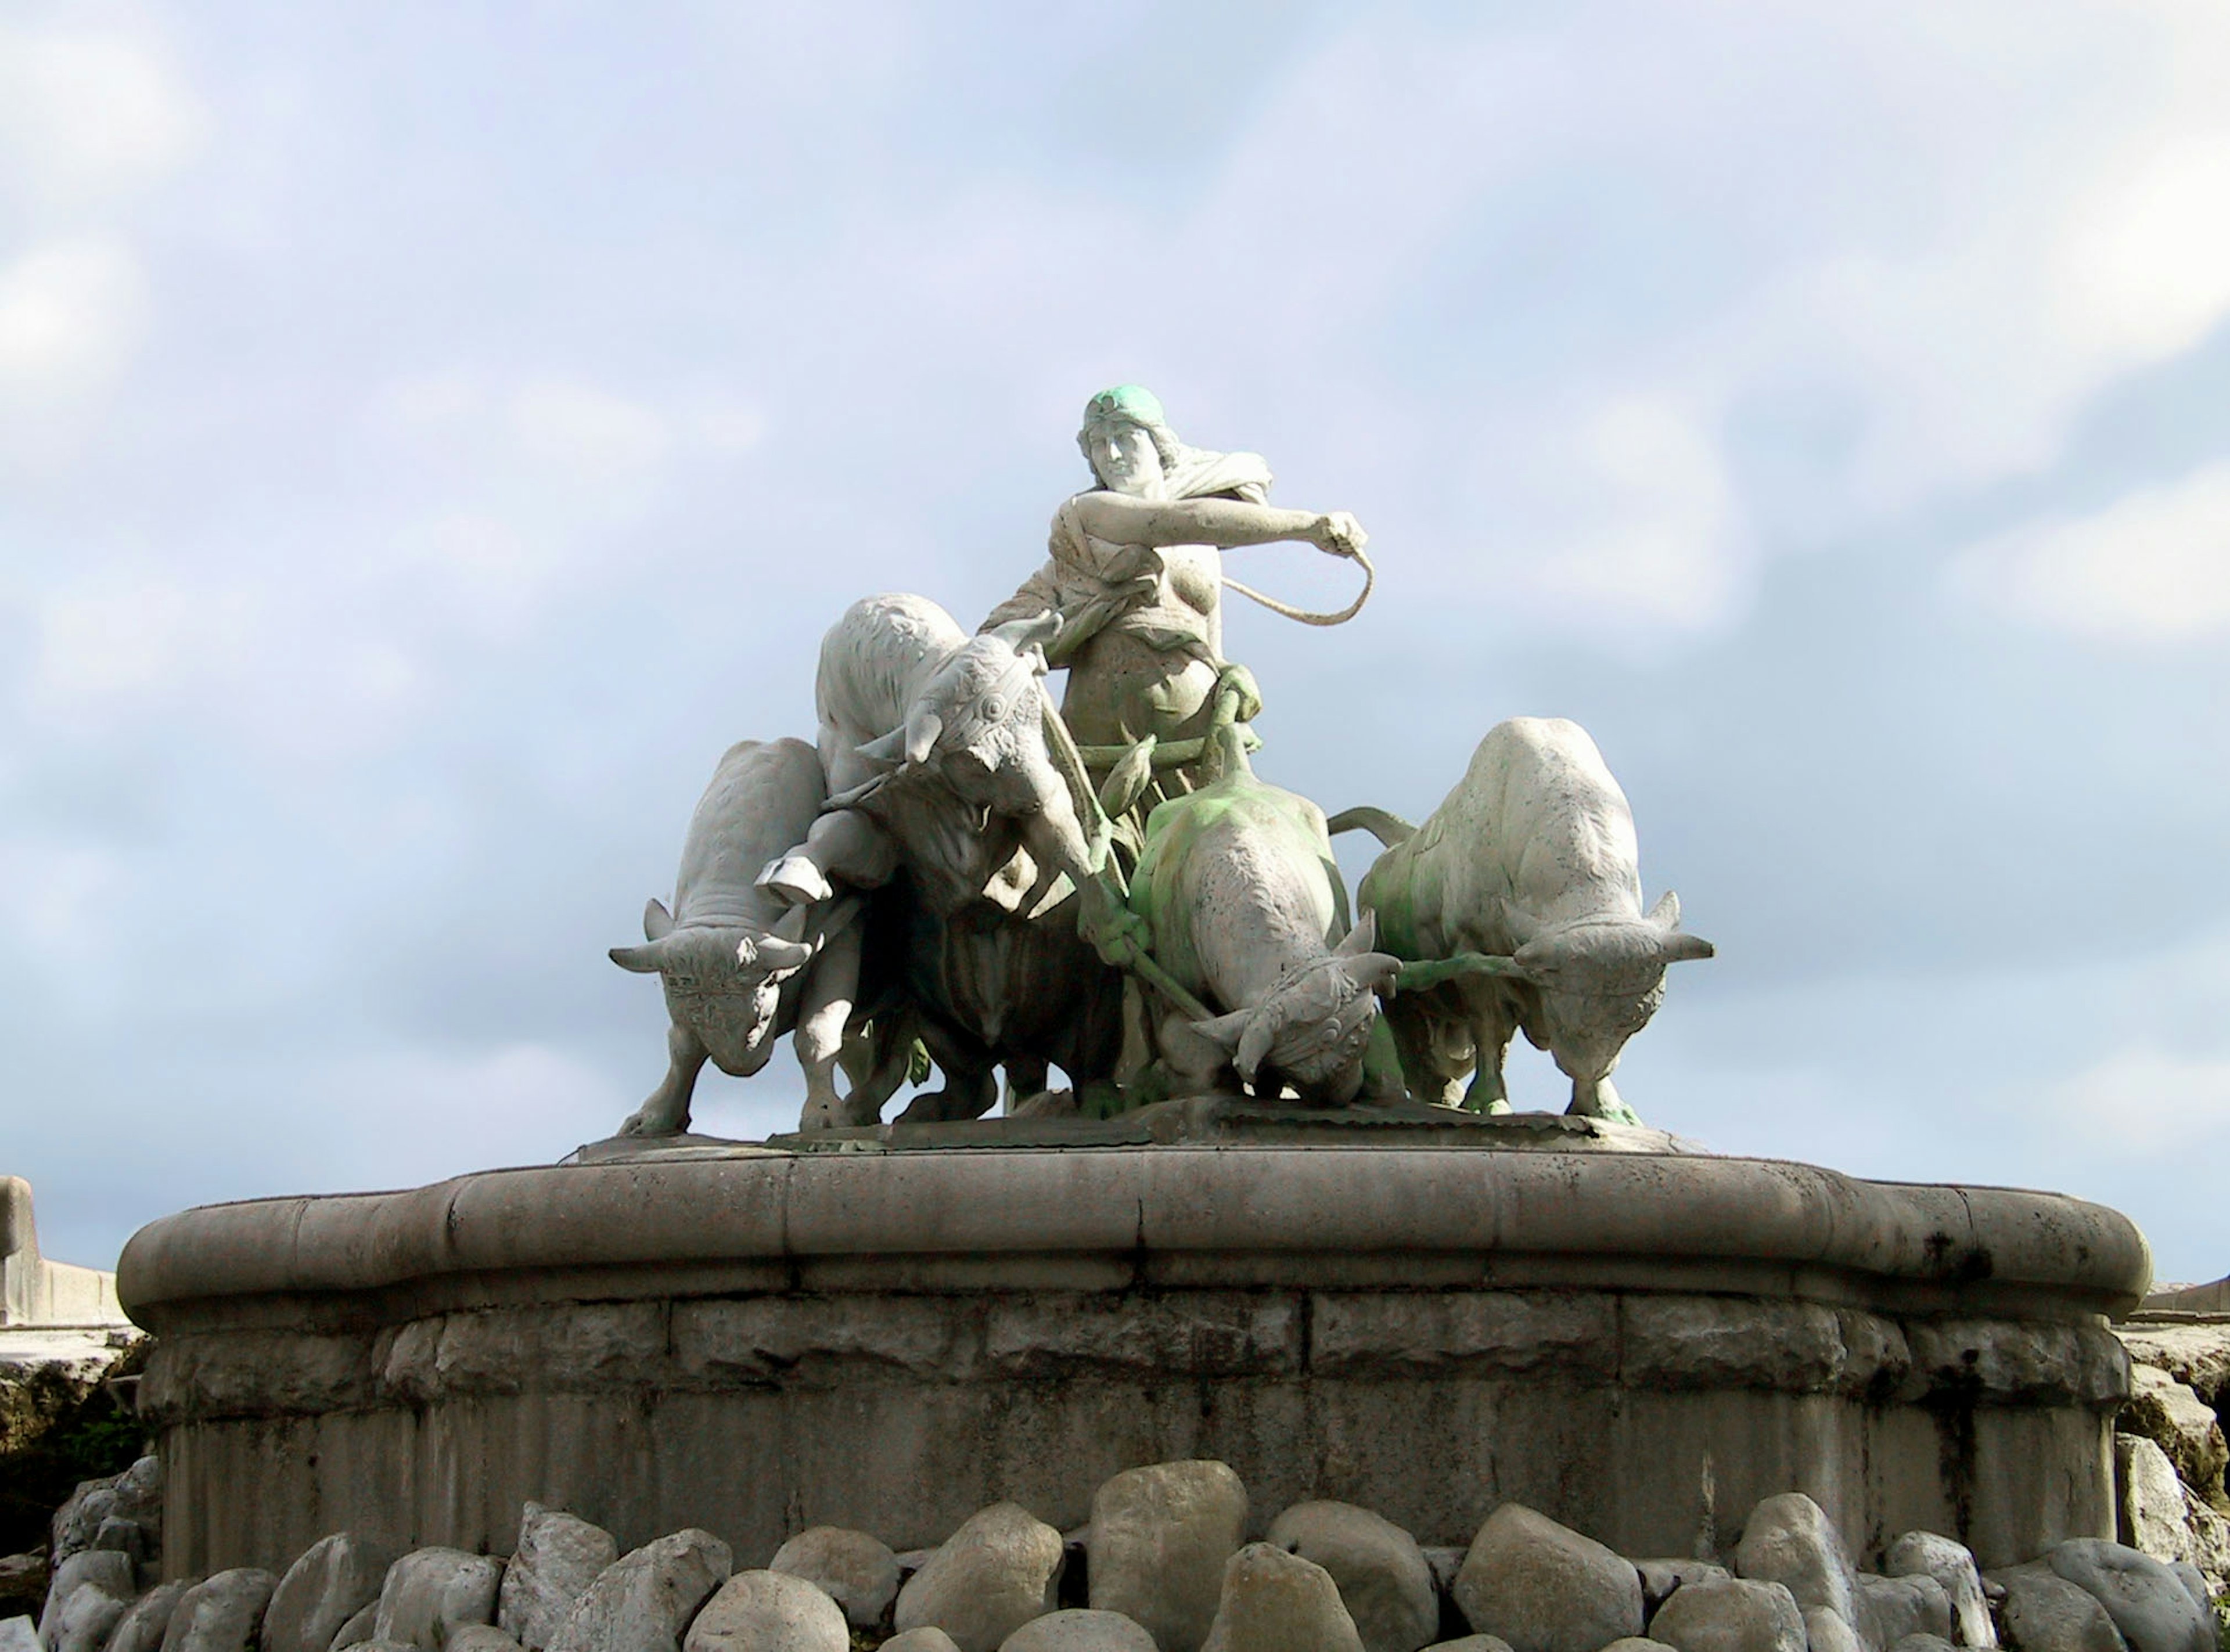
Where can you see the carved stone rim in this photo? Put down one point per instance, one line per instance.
(1187, 1207)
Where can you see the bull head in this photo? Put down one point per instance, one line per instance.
(1603, 955)
(1313, 1025)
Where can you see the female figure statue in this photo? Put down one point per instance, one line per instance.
(1136, 574)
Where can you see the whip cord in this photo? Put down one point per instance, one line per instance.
(1370, 579)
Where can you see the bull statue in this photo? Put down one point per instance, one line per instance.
(943, 788)
(1517, 904)
(741, 967)
(1248, 914)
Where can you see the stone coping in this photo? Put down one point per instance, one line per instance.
(1221, 1121)
(878, 1218)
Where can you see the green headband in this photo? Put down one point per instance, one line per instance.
(1132, 402)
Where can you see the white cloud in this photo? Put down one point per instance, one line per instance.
(124, 634)
(2152, 567)
(2142, 1100)
(723, 426)
(1670, 549)
(72, 312)
(87, 116)
(596, 438)
(1958, 229)
(2145, 261)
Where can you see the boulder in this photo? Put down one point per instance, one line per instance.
(1824, 1631)
(558, 1556)
(2197, 1355)
(1160, 1538)
(335, 1579)
(148, 1619)
(1789, 1540)
(86, 1620)
(2182, 1424)
(358, 1630)
(859, 1572)
(2194, 1583)
(1889, 1609)
(23, 1578)
(1276, 1601)
(1079, 1631)
(135, 1495)
(1545, 1588)
(2159, 1515)
(1631, 1643)
(1488, 1644)
(1661, 1577)
(1000, 1570)
(1384, 1579)
(769, 1611)
(2044, 1612)
(480, 1638)
(1922, 1643)
(430, 1591)
(643, 1601)
(222, 1613)
(2147, 1604)
(929, 1638)
(19, 1634)
(126, 1537)
(1928, 1554)
(1730, 1615)
(105, 1569)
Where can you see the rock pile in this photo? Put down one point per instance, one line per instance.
(2169, 1447)
(1163, 1566)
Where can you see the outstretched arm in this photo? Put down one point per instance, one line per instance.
(1121, 519)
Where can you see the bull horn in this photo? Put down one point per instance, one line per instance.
(1680, 947)
(1254, 1045)
(1224, 1031)
(657, 922)
(1033, 633)
(776, 955)
(886, 752)
(921, 732)
(1361, 939)
(1665, 914)
(1374, 971)
(642, 960)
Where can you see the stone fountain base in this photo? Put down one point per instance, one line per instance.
(886, 1329)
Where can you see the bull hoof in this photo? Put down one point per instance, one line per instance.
(825, 1113)
(643, 1121)
(796, 880)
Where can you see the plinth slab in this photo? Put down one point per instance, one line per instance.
(1637, 1340)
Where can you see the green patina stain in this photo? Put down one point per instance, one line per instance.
(1132, 402)
(1290, 824)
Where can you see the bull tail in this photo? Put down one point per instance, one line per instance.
(1390, 829)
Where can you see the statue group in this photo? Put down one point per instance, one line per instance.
(959, 875)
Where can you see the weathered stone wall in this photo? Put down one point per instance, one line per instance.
(1655, 1420)
(36, 1292)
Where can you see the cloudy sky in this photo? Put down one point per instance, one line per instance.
(430, 432)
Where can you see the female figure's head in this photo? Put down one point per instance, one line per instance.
(1129, 442)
